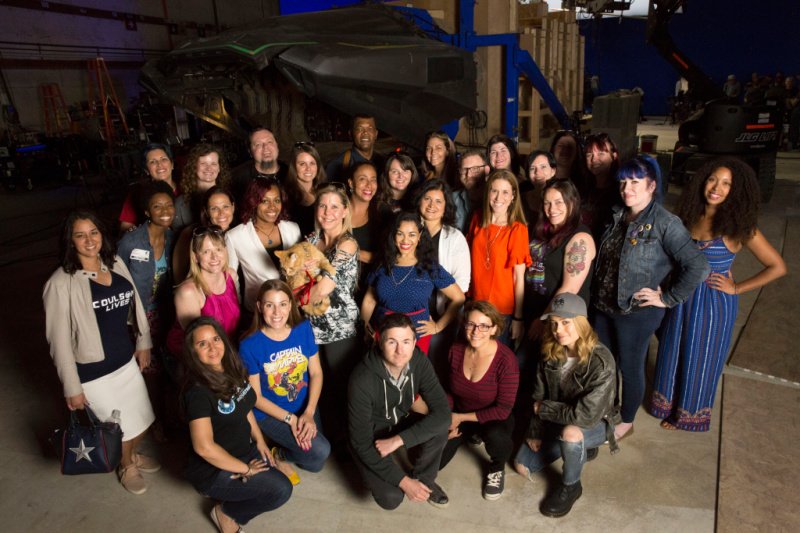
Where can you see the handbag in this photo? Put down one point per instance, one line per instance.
(88, 449)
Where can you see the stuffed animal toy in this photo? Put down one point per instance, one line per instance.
(293, 263)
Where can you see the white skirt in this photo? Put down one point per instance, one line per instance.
(125, 391)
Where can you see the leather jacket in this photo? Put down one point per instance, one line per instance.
(657, 251)
(586, 399)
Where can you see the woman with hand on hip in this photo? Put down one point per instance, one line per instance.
(230, 461)
(720, 208)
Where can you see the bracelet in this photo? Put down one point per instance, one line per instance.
(288, 418)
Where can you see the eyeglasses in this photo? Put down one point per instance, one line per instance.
(200, 231)
(298, 144)
(483, 328)
(471, 170)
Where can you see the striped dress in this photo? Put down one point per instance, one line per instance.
(693, 348)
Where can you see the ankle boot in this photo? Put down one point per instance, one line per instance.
(561, 500)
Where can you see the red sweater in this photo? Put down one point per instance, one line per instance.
(491, 398)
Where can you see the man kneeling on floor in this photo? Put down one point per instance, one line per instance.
(383, 387)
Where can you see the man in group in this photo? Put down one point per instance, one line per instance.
(383, 386)
(264, 150)
(364, 134)
(472, 172)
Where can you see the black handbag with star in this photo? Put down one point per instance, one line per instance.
(88, 449)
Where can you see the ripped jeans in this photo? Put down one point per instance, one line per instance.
(573, 453)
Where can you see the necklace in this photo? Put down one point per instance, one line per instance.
(398, 283)
(487, 262)
(267, 235)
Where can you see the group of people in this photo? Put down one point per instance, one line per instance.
(465, 289)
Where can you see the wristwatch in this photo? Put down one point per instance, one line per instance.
(288, 418)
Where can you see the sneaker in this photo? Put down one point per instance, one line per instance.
(132, 479)
(146, 464)
(438, 498)
(560, 502)
(591, 454)
(284, 466)
(493, 487)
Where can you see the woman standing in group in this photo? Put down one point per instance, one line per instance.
(720, 208)
(205, 168)
(483, 380)
(499, 247)
(304, 176)
(646, 263)
(230, 462)
(281, 357)
(440, 158)
(399, 177)
(146, 251)
(263, 230)
(541, 169)
(573, 408)
(89, 301)
(602, 161)
(363, 186)
(562, 251)
(566, 147)
(209, 290)
(407, 279)
(218, 210)
(450, 249)
(336, 331)
(502, 153)
(157, 159)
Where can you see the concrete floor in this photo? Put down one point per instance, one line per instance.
(660, 481)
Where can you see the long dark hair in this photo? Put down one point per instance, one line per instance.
(384, 190)
(426, 258)
(737, 217)
(68, 257)
(205, 219)
(450, 170)
(544, 230)
(438, 184)
(293, 191)
(223, 384)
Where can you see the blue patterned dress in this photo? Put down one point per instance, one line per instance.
(693, 348)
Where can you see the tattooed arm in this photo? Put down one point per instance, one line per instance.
(578, 256)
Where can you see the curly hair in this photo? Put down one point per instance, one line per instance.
(450, 171)
(256, 190)
(189, 175)
(438, 184)
(545, 231)
(68, 257)
(737, 217)
(223, 384)
(425, 254)
(587, 340)
(293, 191)
(147, 190)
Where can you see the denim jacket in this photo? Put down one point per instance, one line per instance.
(143, 271)
(657, 251)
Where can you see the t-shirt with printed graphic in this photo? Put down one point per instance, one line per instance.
(228, 423)
(282, 366)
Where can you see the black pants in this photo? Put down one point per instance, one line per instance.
(496, 436)
(425, 457)
(338, 360)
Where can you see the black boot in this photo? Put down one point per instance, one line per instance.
(560, 502)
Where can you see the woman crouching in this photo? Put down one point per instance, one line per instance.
(230, 462)
(573, 404)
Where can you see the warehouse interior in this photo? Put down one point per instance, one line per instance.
(76, 116)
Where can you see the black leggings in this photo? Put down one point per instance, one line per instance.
(495, 434)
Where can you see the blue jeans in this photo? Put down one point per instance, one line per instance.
(281, 433)
(505, 337)
(573, 453)
(263, 492)
(628, 338)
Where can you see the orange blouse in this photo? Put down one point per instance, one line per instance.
(493, 272)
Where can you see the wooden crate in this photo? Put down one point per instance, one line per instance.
(556, 46)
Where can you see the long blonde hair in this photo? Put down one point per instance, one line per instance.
(515, 212)
(199, 235)
(587, 340)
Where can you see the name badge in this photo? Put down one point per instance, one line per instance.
(137, 254)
